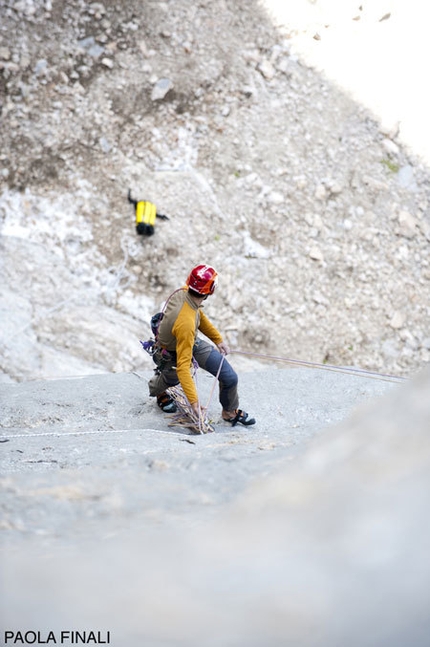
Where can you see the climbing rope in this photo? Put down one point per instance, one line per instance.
(92, 432)
(202, 424)
(215, 381)
(327, 367)
(186, 417)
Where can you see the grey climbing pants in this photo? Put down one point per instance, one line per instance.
(208, 358)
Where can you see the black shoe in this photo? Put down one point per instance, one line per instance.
(166, 403)
(242, 417)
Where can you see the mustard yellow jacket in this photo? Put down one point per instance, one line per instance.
(182, 320)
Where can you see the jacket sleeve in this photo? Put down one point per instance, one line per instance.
(184, 331)
(208, 329)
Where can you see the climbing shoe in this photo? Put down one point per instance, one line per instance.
(166, 403)
(242, 417)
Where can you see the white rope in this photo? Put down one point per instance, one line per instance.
(201, 417)
(201, 420)
(85, 433)
(327, 367)
(215, 381)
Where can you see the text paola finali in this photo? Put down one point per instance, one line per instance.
(59, 638)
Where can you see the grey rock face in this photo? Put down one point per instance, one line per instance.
(292, 532)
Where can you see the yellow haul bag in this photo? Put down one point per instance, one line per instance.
(146, 212)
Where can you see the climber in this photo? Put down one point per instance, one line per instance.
(177, 342)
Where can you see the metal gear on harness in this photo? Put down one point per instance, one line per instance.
(148, 346)
(151, 346)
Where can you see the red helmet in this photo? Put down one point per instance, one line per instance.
(203, 279)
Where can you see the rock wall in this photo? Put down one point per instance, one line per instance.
(314, 212)
(292, 532)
